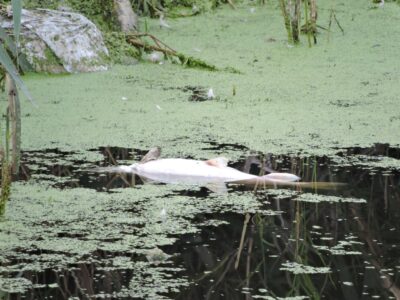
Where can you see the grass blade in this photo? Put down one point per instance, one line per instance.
(8, 41)
(17, 9)
(8, 64)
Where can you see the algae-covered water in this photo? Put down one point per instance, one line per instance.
(327, 113)
(340, 93)
(72, 233)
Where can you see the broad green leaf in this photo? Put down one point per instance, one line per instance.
(8, 64)
(17, 8)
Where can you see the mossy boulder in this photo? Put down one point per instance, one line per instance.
(61, 41)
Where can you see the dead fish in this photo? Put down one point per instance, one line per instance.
(213, 173)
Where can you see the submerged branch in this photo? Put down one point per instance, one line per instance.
(245, 223)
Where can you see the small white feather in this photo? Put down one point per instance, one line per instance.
(210, 94)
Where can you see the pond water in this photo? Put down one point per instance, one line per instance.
(71, 233)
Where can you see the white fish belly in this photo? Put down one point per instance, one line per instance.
(188, 171)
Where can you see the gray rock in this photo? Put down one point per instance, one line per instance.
(61, 41)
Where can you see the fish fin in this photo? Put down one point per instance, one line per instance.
(153, 154)
(217, 187)
(146, 180)
(217, 162)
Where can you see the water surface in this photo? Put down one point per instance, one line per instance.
(69, 232)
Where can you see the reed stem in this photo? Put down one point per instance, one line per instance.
(286, 18)
(14, 115)
(313, 18)
(10, 157)
(295, 22)
(308, 27)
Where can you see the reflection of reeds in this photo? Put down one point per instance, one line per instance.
(291, 236)
(299, 252)
(246, 221)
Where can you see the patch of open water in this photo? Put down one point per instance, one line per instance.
(332, 244)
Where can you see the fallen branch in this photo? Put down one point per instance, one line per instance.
(136, 40)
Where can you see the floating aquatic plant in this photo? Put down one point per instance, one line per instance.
(297, 268)
(315, 198)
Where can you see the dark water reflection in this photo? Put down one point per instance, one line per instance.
(365, 267)
(355, 246)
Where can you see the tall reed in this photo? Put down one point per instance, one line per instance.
(10, 143)
(291, 12)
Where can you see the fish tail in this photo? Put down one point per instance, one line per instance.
(114, 169)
